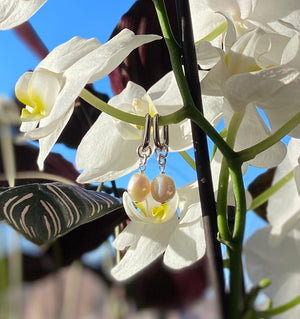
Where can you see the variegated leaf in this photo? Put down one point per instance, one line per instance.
(44, 212)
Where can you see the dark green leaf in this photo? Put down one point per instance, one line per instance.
(44, 212)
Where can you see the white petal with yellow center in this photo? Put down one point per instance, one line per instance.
(38, 91)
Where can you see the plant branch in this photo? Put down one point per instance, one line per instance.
(278, 310)
(93, 100)
(250, 152)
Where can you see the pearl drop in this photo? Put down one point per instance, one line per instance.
(163, 188)
(138, 187)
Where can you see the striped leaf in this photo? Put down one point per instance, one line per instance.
(44, 212)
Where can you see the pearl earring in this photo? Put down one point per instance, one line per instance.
(139, 185)
(163, 186)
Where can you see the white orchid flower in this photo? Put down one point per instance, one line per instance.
(279, 263)
(260, 70)
(49, 92)
(180, 239)
(283, 210)
(210, 17)
(15, 12)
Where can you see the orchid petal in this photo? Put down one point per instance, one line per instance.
(262, 262)
(47, 142)
(189, 195)
(265, 10)
(15, 12)
(131, 209)
(252, 122)
(125, 98)
(112, 156)
(223, 5)
(213, 82)
(149, 247)
(207, 55)
(189, 233)
(287, 198)
(180, 136)
(166, 92)
(204, 19)
(129, 236)
(91, 66)
(294, 151)
(242, 89)
(241, 57)
(246, 7)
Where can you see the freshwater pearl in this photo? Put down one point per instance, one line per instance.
(138, 187)
(163, 188)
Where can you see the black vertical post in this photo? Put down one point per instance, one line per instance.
(213, 248)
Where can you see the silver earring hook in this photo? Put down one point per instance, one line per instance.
(147, 131)
(160, 145)
(144, 150)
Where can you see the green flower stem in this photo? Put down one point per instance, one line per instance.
(235, 250)
(264, 196)
(250, 152)
(197, 117)
(175, 56)
(174, 52)
(223, 229)
(278, 310)
(93, 100)
(224, 179)
(215, 33)
(188, 159)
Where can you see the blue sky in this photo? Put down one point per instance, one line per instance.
(57, 22)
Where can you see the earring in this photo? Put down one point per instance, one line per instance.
(139, 185)
(163, 186)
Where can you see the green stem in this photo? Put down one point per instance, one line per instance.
(250, 152)
(197, 117)
(175, 56)
(93, 100)
(222, 202)
(188, 159)
(174, 52)
(235, 251)
(278, 310)
(224, 179)
(264, 196)
(215, 33)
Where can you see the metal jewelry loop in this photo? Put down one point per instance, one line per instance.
(160, 145)
(147, 131)
(144, 150)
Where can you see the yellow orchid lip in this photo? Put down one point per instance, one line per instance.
(160, 212)
(153, 212)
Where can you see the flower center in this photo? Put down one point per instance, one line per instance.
(38, 90)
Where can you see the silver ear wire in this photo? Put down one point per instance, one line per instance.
(156, 136)
(144, 150)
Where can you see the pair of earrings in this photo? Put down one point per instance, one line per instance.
(162, 187)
